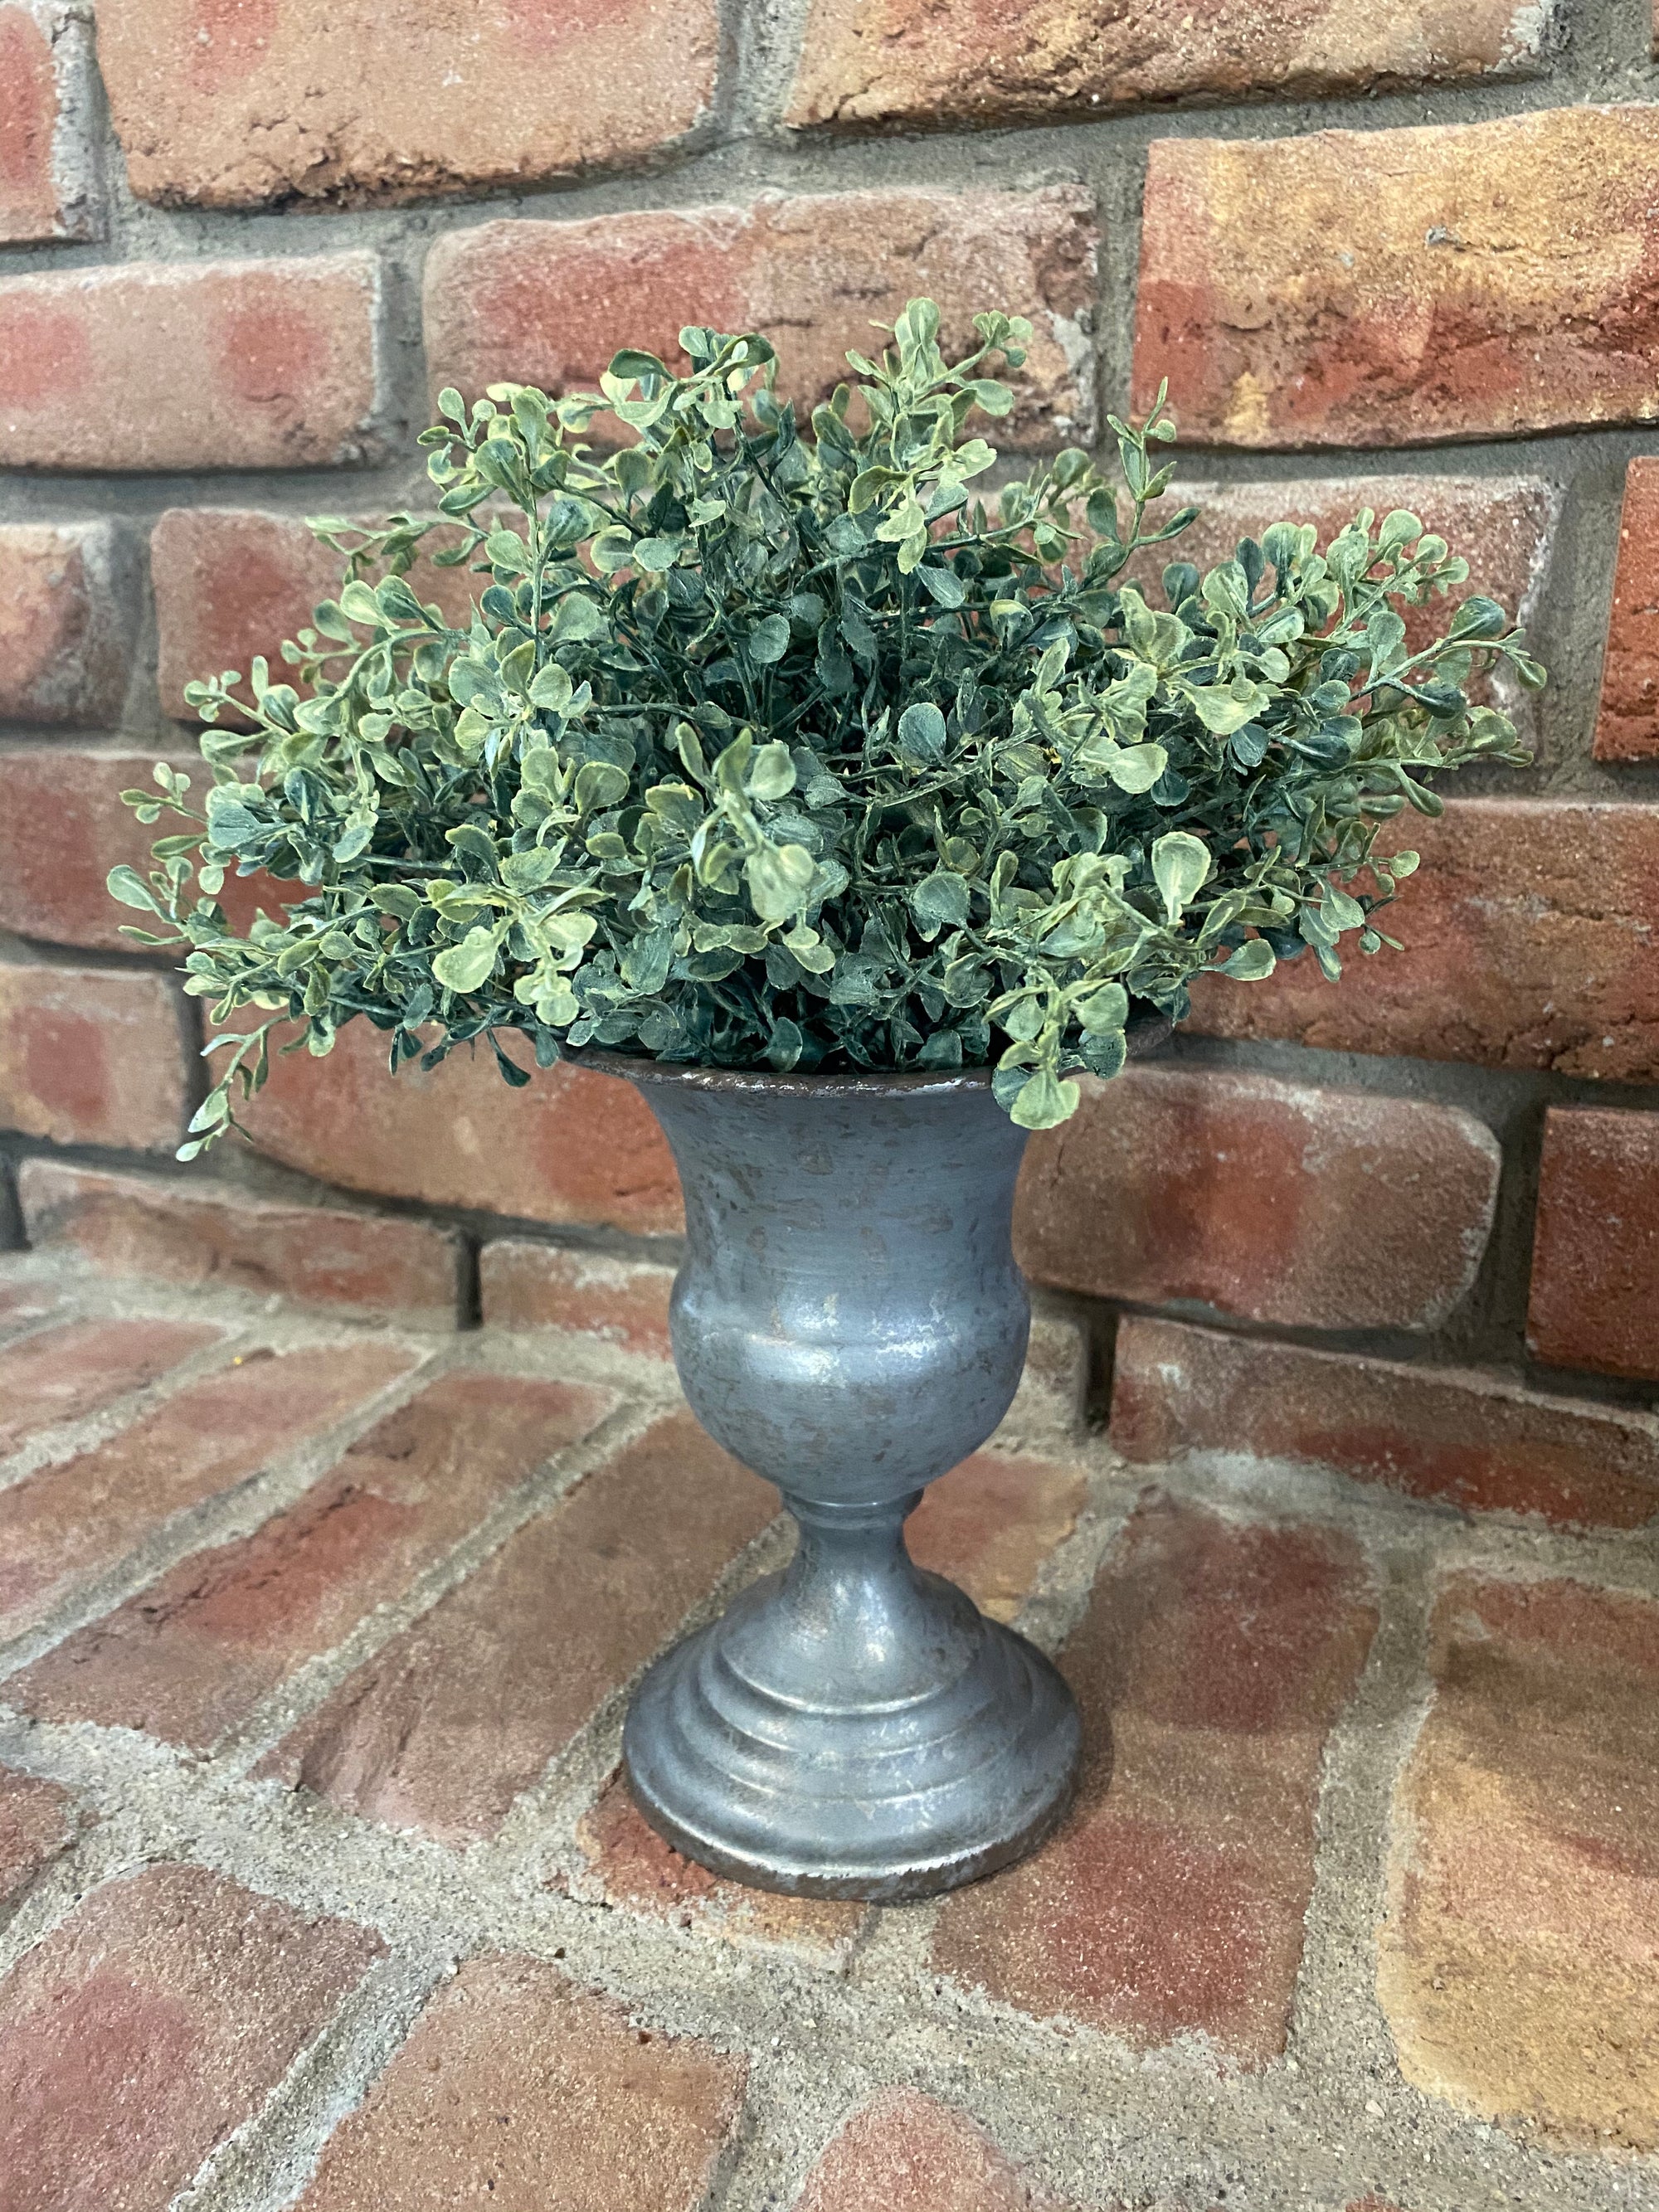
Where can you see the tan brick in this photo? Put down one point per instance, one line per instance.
(1627, 719)
(49, 185)
(73, 1520)
(633, 1866)
(63, 828)
(67, 614)
(549, 303)
(91, 1056)
(573, 1146)
(1258, 1197)
(199, 1232)
(445, 1727)
(517, 2088)
(899, 62)
(1504, 526)
(301, 102)
(906, 2152)
(148, 2028)
(526, 1284)
(37, 1820)
(1467, 1438)
(1594, 1298)
(65, 1373)
(1518, 1958)
(1214, 1657)
(1382, 288)
(233, 581)
(1528, 937)
(195, 1653)
(191, 364)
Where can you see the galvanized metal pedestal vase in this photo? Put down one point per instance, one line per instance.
(849, 1323)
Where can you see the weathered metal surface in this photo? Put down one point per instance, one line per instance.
(850, 1323)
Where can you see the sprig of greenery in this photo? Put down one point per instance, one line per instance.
(767, 751)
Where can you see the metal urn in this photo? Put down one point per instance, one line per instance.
(850, 1323)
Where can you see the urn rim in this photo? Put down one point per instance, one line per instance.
(1146, 1034)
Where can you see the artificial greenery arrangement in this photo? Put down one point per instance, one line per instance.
(788, 752)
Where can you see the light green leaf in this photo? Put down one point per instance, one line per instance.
(1181, 863)
(463, 967)
(779, 878)
(1252, 962)
(1044, 1102)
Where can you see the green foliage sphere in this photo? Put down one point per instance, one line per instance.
(766, 752)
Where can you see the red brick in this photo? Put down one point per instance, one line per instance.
(1256, 1196)
(47, 165)
(1596, 1252)
(548, 303)
(905, 2152)
(1214, 1658)
(516, 2087)
(1627, 720)
(1504, 526)
(445, 1727)
(37, 1820)
(191, 364)
(1528, 936)
(67, 610)
(1493, 278)
(302, 102)
(526, 1284)
(632, 1865)
(91, 1056)
(1518, 1960)
(199, 1232)
(151, 2024)
(63, 828)
(72, 1521)
(195, 1653)
(573, 1146)
(902, 62)
(233, 581)
(63, 1374)
(1473, 1440)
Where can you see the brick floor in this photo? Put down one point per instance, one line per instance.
(320, 1887)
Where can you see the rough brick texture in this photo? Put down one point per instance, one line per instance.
(1628, 722)
(903, 62)
(573, 1146)
(524, 1285)
(229, 107)
(1518, 1962)
(1596, 1251)
(1504, 526)
(1528, 936)
(63, 1374)
(194, 1655)
(905, 2152)
(459, 1713)
(48, 178)
(1469, 1439)
(1254, 1196)
(1491, 279)
(72, 1519)
(1213, 1659)
(201, 1231)
(191, 364)
(549, 303)
(154, 2022)
(37, 1820)
(63, 828)
(66, 620)
(517, 2089)
(92, 1057)
(234, 581)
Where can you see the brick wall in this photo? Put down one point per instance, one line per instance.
(1404, 255)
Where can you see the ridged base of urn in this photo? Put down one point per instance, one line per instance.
(893, 1799)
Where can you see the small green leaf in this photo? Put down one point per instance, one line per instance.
(1252, 962)
(463, 967)
(1181, 863)
(1044, 1102)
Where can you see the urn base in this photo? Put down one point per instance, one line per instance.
(831, 1780)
